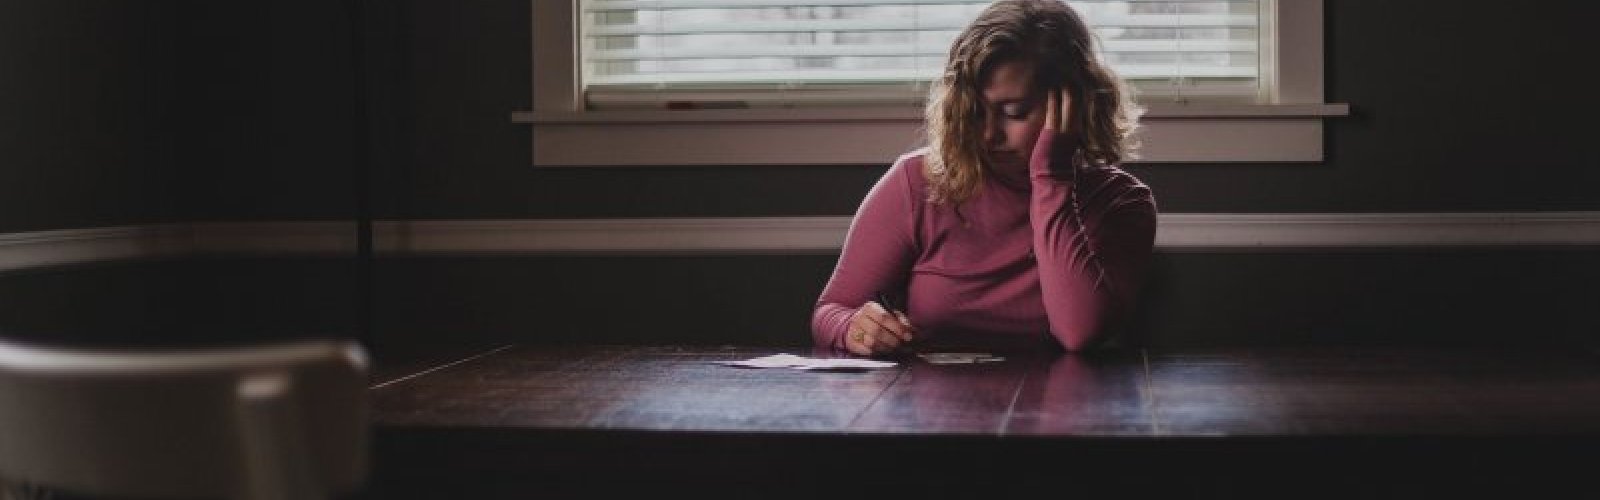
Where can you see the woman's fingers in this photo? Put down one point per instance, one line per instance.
(870, 340)
(1057, 110)
(875, 330)
(892, 322)
(882, 339)
(856, 341)
(884, 343)
(906, 320)
(1057, 118)
(862, 334)
(1064, 116)
(1052, 115)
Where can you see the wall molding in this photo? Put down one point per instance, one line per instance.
(77, 246)
(274, 237)
(1175, 233)
(650, 235)
(1206, 232)
(1180, 232)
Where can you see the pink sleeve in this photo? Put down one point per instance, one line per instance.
(877, 255)
(1093, 231)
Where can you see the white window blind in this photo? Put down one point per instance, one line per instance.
(711, 53)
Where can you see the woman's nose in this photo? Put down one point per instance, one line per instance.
(992, 134)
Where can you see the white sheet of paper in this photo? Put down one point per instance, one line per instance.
(836, 363)
(773, 361)
(804, 363)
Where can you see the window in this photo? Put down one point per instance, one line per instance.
(795, 53)
(707, 82)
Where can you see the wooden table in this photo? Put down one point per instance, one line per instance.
(515, 421)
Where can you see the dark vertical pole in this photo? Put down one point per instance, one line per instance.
(356, 9)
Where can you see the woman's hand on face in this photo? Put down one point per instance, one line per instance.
(1057, 113)
(1057, 107)
(874, 330)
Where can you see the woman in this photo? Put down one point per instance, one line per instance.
(1014, 225)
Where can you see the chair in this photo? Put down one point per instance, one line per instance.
(275, 421)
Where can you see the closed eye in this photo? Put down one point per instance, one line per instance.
(1014, 110)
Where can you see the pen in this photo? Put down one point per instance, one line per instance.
(883, 300)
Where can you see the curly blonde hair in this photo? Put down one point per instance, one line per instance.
(1054, 39)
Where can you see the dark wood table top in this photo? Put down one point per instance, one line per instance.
(1319, 392)
(509, 421)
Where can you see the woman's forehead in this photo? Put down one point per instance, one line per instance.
(1008, 80)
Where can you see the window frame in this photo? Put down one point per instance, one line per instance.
(1286, 129)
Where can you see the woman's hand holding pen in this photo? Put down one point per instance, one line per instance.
(874, 329)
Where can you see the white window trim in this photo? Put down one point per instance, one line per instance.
(1286, 130)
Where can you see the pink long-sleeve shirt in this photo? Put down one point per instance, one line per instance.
(1046, 254)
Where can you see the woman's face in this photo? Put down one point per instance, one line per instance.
(1013, 114)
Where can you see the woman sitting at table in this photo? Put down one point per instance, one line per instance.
(1015, 223)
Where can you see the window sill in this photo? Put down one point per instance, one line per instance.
(899, 114)
(1170, 133)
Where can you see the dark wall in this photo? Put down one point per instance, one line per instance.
(87, 113)
(1456, 297)
(257, 108)
(192, 302)
(464, 66)
(119, 112)
(128, 112)
(1448, 116)
(270, 125)
(1455, 109)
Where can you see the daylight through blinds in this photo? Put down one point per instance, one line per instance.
(650, 51)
